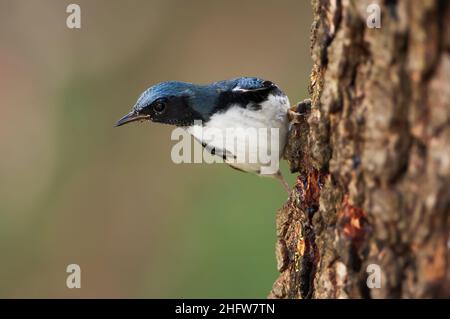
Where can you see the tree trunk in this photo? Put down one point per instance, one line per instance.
(372, 150)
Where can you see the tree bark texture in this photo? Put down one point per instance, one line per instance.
(372, 150)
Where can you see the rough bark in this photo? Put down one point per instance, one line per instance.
(372, 151)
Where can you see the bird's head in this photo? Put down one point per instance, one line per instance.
(175, 103)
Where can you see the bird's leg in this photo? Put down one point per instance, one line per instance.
(300, 110)
(285, 184)
(294, 117)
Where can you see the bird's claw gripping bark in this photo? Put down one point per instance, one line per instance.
(301, 109)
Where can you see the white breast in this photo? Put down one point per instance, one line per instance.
(271, 115)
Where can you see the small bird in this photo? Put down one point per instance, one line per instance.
(240, 103)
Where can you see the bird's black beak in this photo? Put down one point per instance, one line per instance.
(132, 117)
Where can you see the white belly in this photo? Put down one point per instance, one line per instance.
(262, 131)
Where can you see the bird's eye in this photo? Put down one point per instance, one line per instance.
(159, 106)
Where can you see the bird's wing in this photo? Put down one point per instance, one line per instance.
(252, 85)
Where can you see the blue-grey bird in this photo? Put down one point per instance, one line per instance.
(238, 104)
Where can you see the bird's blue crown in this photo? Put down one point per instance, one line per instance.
(202, 98)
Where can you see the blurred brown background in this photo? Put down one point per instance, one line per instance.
(74, 189)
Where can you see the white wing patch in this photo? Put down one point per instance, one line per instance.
(239, 89)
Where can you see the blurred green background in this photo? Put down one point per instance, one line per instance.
(74, 189)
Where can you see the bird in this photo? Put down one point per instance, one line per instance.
(239, 104)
